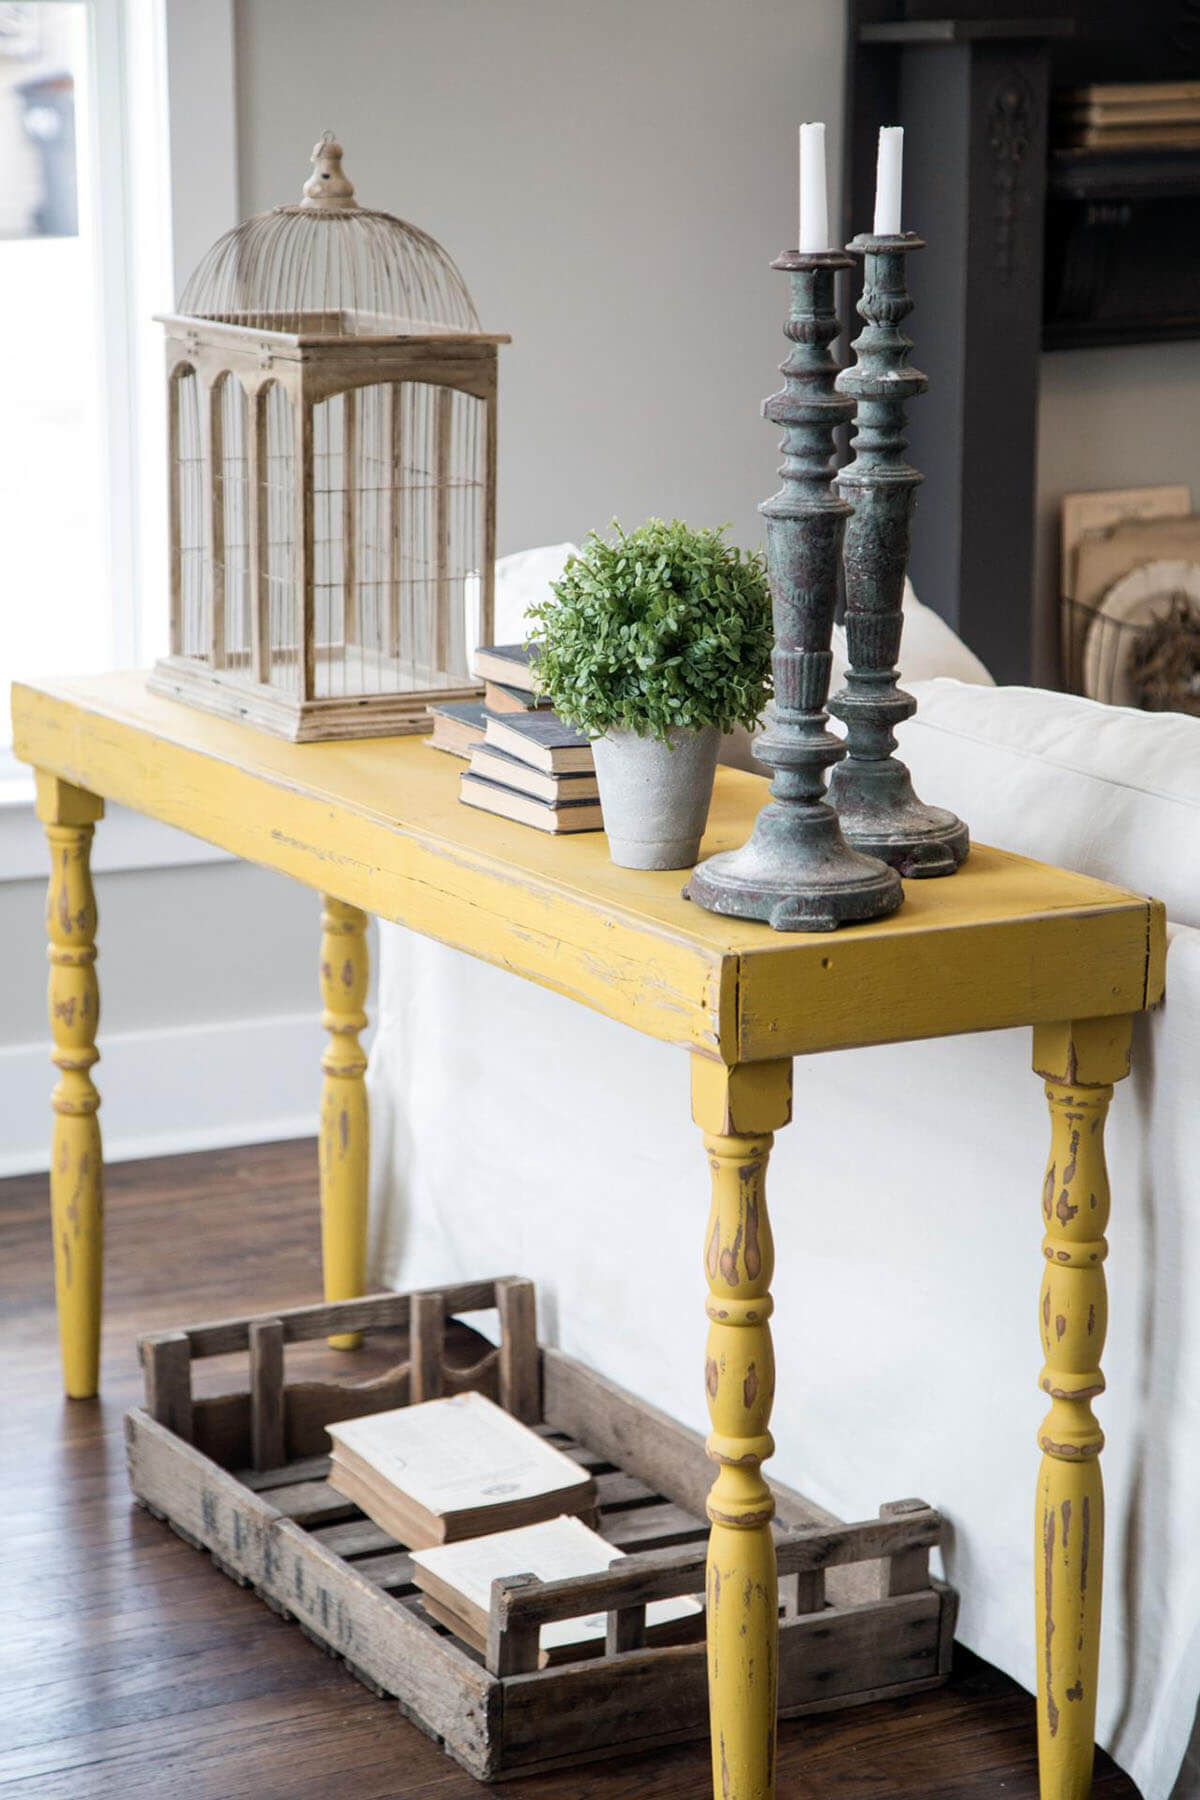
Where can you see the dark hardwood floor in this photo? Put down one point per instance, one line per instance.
(130, 1667)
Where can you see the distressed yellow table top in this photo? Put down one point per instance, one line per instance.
(377, 822)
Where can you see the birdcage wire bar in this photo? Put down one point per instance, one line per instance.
(333, 469)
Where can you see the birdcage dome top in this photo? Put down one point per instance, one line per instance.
(328, 267)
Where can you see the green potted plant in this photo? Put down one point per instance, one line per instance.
(655, 644)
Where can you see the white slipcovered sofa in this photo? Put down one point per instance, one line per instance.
(515, 1131)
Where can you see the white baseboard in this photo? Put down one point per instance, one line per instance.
(189, 1087)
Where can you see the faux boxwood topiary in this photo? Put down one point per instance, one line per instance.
(665, 627)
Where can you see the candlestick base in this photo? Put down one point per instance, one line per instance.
(797, 873)
(881, 816)
(872, 790)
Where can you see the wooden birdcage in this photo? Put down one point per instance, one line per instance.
(332, 444)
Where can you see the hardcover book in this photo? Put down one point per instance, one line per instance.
(542, 740)
(453, 1468)
(1133, 93)
(511, 772)
(508, 803)
(499, 697)
(458, 726)
(456, 1586)
(513, 664)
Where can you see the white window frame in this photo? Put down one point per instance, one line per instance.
(195, 41)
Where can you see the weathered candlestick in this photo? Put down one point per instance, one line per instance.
(796, 871)
(872, 789)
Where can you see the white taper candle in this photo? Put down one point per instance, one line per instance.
(814, 199)
(888, 172)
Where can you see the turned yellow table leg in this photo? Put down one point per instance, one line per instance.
(1079, 1064)
(344, 1142)
(738, 1110)
(76, 1164)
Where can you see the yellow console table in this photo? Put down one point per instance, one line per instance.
(374, 825)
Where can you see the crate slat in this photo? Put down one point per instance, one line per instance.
(167, 1369)
(390, 1571)
(591, 1460)
(312, 1502)
(661, 1696)
(618, 1489)
(359, 1537)
(266, 1394)
(645, 1442)
(303, 1323)
(652, 1527)
(427, 1338)
(305, 1468)
(861, 1617)
(520, 1366)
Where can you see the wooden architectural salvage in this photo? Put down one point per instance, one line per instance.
(861, 1616)
(332, 472)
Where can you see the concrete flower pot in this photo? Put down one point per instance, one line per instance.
(655, 795)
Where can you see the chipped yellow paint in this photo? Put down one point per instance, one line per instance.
(345, 1127)
(1079, 1064)
(738, 1110)
(76, 1163)
(377, 823)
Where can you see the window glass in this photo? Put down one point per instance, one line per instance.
(55, 605)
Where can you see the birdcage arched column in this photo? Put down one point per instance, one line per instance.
(229, 505)
(333, 472)
(258, 538)
(187, 488)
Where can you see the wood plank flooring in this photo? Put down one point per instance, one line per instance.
(129, 1667)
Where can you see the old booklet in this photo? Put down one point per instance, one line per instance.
(453, 1468)
(456, 1583)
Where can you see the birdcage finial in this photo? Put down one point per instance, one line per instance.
(328, 187)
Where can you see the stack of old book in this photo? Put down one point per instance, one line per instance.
(453, 1468)
(532, 768)
(525, 763)
(477, 1496)
(507, 672)
(1130, 115)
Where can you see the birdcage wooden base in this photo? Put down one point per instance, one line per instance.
(303, 721)
(861, 1617)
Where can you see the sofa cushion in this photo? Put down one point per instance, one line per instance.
(930, 647)
(523, 579)
(1105, 790)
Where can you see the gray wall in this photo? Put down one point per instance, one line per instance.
(1110, 419)
(613, 181)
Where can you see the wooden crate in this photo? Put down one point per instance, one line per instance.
(242, 1476)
